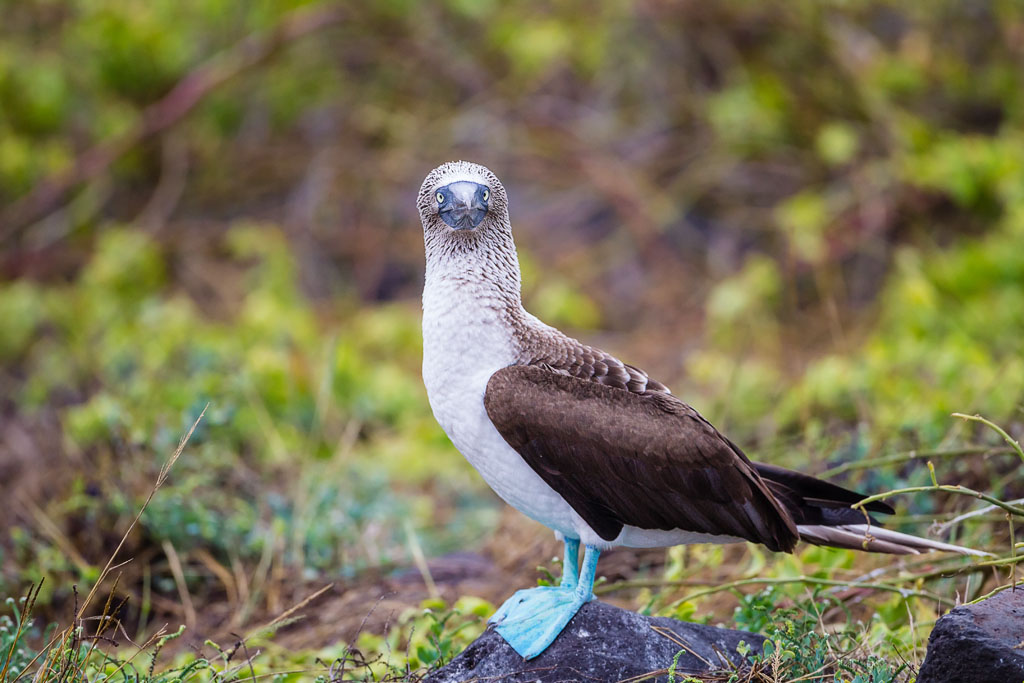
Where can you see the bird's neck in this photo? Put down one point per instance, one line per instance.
(473, 276)
(472, 310)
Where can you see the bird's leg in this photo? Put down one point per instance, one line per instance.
(585, 586)
(571, 563)
(531, 619)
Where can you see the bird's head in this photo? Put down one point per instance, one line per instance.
(461, 197)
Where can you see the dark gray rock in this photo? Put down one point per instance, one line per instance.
(603, 643)
(982, 643)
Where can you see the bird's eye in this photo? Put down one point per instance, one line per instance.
(487, 194)
(440, 198)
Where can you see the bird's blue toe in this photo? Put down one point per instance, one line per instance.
(531, 619)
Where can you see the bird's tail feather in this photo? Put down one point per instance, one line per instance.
(876, 539)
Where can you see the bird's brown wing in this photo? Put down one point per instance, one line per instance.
(570, 357)
(622, 458)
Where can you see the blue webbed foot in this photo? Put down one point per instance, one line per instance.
(519, 597)
(531, 619)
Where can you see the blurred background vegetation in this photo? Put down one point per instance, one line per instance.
(805, 217)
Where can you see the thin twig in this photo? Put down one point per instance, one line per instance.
(23, 617)
(858, 582)
(912, 456)
(1014, 444)
(160, 479)
(955, 488)
(420, 560)
(48, 528)
(814, 582)
(287, 613)
(945, 526)
(178, 572)
(152, 639)
(988, 595)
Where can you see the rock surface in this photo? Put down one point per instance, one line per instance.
(603, 643)
(982, 643)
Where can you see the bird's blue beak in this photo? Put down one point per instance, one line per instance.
(463, 205)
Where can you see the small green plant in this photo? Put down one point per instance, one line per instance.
(800, 647)
(426, 638)
(449, 630)
(15, 654)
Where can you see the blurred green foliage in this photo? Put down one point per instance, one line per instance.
(947, 339)
(78, 72)
(289, 401)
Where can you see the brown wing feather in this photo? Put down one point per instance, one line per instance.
(621, 458)
(569, 357)
(814, 501)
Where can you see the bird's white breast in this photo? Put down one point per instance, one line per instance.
(466, 339)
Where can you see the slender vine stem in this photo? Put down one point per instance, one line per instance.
(953, 520)
(912, 456)
(678, 583)
(1014, 444)
(812, 581)
(948, 488)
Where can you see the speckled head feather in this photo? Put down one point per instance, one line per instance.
(453, 172)
(486, 254)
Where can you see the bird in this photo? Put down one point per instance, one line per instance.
(587, 445)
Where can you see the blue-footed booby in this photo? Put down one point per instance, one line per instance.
(583, 443)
